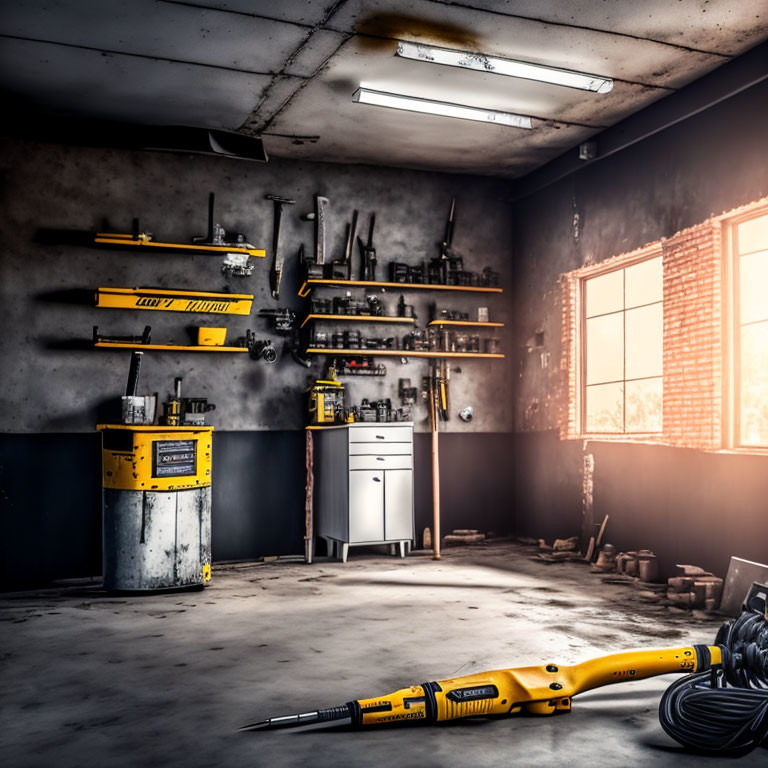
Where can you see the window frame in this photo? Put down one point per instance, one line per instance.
(651, 251)
(731, 331)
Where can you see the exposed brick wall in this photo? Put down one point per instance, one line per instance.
(693, 351)
(569, 384)
(693, 389)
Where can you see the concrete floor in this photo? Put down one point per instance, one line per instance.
(94, 680)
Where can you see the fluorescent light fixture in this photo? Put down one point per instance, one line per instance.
(494, 65)
(415, 104)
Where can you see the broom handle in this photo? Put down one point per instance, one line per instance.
(435, 472)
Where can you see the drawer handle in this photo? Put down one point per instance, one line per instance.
(379, 437)
(379, 458)
(376, 479)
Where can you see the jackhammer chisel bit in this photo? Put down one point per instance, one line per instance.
(276, 272)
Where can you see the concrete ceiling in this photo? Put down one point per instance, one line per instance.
(287, 70)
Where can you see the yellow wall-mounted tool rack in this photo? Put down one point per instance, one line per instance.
(175, 301)
(144, 241)
(167, 347)
(363, 318)
(395, 353)
(308, 285)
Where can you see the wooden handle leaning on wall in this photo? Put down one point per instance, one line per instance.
(435, 470)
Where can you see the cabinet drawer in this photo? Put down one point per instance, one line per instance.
(380, 449)
(376, 434)
(380, 462)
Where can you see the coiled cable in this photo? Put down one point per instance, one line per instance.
(724, 710)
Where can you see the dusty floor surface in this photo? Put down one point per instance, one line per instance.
(94, 680)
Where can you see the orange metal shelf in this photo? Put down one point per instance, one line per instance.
(307, 286)
(474, 323)
(167, 347)
(396, 353)
(364, 318)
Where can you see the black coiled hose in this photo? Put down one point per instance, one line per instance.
(724, 710)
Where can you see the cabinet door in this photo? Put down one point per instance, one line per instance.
(366, 506)
(398, 504)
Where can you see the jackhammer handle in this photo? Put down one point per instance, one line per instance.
(537, 690)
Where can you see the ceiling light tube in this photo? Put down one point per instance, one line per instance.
(497, 66)
(415, 104)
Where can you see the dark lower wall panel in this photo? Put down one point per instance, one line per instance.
(258, 494)
(687, 506)
(50, 497)
(547, 486)
(475, 482)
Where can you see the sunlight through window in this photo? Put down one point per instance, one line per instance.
(622, 350)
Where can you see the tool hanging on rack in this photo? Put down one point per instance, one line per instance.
(368, 254)
(276, 272)
(143, 339)
(342, 268)
(260, 349)
(216, 241)
(285, 324)
(236, 264)
(315, 269)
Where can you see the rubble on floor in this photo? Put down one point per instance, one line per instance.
(695, 589)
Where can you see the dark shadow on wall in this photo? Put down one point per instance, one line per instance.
(50, 496)
(687, 506)
(258, 494)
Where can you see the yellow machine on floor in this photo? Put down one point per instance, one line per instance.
(721, 705)
(156, 506)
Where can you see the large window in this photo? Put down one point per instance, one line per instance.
(750, 247)
(622, 330)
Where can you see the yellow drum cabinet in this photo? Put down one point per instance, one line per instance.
(156, 506)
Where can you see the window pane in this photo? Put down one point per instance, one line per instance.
(604, 294)
(605, 348)
(754, 384)
(644, 405)
(752, 235)
(643, 339)
(605, 405)
(753, 279)
(643, 283)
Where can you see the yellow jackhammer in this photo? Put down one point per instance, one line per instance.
(721, 705)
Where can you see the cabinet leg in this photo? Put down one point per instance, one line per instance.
(392, 549)
(402, 549)
(344, 551)
(308, 550)
(330, 547)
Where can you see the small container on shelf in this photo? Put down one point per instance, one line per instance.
(211, 337)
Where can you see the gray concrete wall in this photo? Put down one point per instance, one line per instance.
(689, 506)
(46, 388)
(52, 393)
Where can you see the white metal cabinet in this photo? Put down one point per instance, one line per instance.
(364, 485)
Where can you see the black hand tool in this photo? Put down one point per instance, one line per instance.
(276, 272)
